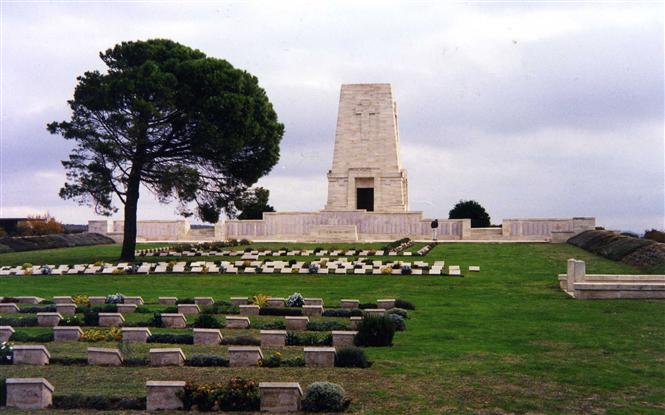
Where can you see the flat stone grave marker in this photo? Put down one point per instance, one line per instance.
(67, 333)
(63, 299)
(207, 336)
(188, 309)
(354, 321)
(100, 356)
(97, 300)
(273, 338)
(239, 300)
(349, 303)
(5, 333)
(474, 268)
(296, 322)
(9, 308)
(31, 355)
(167, 357)
(174, 320)
(386, 303)
(320, 356)
(29, 299)
(374, 312)
(66, 308)
(243, 356)
(249, 310)
(168, 300)
(343, 337)
(275, 302)
(204, 301)
(233, 322)
(280, 397)
(134, 300)
(163, 395)
(313, 301)
(312, 310)
(126, 308)
(111, 319)
(29, 393)
(48, 319)
(135, 334)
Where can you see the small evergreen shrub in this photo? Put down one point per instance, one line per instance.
(324, 397)
(406, 305)
(294, 338)
(400, 323)
(399, 311)
(270, 325)
(185, 301)
(342, 312)
(171, 338)
(326, 326)
(90, 318)
(244, 340)
(237, 395)
(68, 361)
(35, 309)
(24, 337)
(98, 402)
(280, 311)
(3, 392)
(19, 322)
(375, 332)
(6, 353)
(207, 360)
(207, 321)
(156, 320)
(351, 357)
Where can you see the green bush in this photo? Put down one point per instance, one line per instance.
(71, 321)
(98, 402)
(91, 318)
(326, 326)
(207, 321)
(399, 311)
(156, 320)
(221, 307)
(68, 361)
(351, 357)
(237, 395)
(342, 312)
(364, 306)
(36, 309)
(171, 338)
(243, 340)
(98, 308)
(207, 360)
(270, 325)
(375, 332)
(294, 338)
(3, 392)
(185, 301)
(280, 311)
(406, 305)
(324, 397)
(400, 323)
(24, 337)
(30, 321)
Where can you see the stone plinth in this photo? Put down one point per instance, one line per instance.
(374, 312)
(163, 395)
(349, 303)
(63, 299)
(31, 355)
(104, 357)
(296, 323)
(67, 333)
(233, 322)
(386, 303)
(48, 319)
(167, 357)
(249, 310)
(5, 333)
(29, 393)
(241, 356)
(273, 338)
(174, 320)
(69, 309)
(239, 300)
(343, 338)
(312, 310)
(135, 334)
(320, 356)
(207, 336)
(97, 300)
(126, 308)
(8, 308)
(355, 320)
(280, 397)
(168, 300)
(276, 302)
(204, 300)
(111, 319)
(134, 300)
(313, 301)
(188, 309)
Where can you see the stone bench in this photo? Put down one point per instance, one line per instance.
(67, 333)
(174, 320)
(126, 308)
(31, 355)
(63, 299)
(207, 336)
(66, 308)
(163, 395)
(243, 356)
(100, 356)
(134, 300)
(349, 303)
(280, 397)
(111, 319)
(29, 393)
(9, 308)
(239, 300)
(273, 338)
(320, 356)
(204, 300)
(48, 319)
(386, 303)
(168, 300)
(374, 312)
(312, 310)
(355, 320)
(249, 310)
(97, 300)
(167, 357)
(188, 309)
(233, 322)
(135, 334)
(296, 323)
(6, 333)
(341, 338)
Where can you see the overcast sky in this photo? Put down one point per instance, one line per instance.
(534, 110)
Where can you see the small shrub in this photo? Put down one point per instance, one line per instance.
(295, 300)
(406, 270)
(3, 392)
(275, 360)
(102, 335)
(6, 353)
(351, 357)
(236, 395)
(399, 311)
(243, 340)
(24, 337)
(259, 299)
(342, 312)
(37, 309)
(364, 306)
(324, 397)
(207, 360)
(116, 298)
(71, 321)
(326, 326)
(185, 301)
(81, 299)
(68, 361)
(91, 318)
(171, 338)
(98, 403)
(18, 322)
(406, 305)
(279, 311)
(375, 332)
(294, 338)
(156, 320)
(207, 321)
(400, 323)
(270, 325)
(101, 308)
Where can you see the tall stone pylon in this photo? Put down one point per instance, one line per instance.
(366, 171)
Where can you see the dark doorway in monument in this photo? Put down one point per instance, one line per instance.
(365, 198)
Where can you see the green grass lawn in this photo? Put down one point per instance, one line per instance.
(505, 340)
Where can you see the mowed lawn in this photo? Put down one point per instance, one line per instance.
(505, 340)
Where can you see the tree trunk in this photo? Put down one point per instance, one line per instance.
(131, 205)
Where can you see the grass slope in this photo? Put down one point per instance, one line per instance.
(505, 340)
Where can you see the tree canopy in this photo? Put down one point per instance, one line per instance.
(470, 209)
(255, 203)
(189, 128)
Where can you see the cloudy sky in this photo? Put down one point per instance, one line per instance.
(534, 110)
